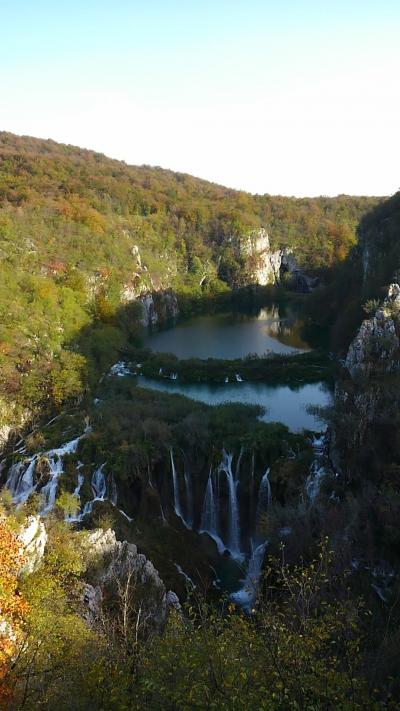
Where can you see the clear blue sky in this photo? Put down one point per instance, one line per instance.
(282, 97)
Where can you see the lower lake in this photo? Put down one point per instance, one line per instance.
(282, 403)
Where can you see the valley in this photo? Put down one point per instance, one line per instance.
(206, 413)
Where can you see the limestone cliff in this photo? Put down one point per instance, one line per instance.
(361, 392)
(33, 538)
(375, 348)
(109, 564)
(157, 301)
(266, 266)
(112, 563)
(158, 307)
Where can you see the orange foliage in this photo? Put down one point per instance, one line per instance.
(13, 607)
(56, 267)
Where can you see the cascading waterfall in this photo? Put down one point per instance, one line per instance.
(99, 484)
(113, 495)
(21, 480)
(77, 494)
(234, 525)
(264, 495)
(210, 514)
(245, 597)
(177, 502)
(189, 582)
(102, 491)
(238, 463)
(79, 485)
(99, 488)
(189, 494)
(317, 469)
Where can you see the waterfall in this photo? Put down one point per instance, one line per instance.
(177, 502)
(234, 525)
(113, 493)
(264, 495)
(81, 479)
(99, 488)
(55, 458)
(189, 582)
(77, 493)
(21, 480)
(209, 516)
(189, 494)
(317, 469)
(245, 597)
(99, 484)
(238, 463)
(102, 491)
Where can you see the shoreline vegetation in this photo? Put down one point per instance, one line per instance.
(280, 369)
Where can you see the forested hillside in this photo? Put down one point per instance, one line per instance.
(77, 228)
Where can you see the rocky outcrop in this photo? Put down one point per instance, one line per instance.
(158, 302)
(149, 314)
(112, 563)
(362, 402)
(5, 432)
(266, 266)
(159, 308)
(12, 420)
(375, 349)
(33, 538)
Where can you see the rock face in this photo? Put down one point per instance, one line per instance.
(269, 267)
(158, 302)
(12, 420)
(5, 432)
(159, 307)
(360, 400)
(33, 539)
(149, 313)
(376, 345)
(113, 562)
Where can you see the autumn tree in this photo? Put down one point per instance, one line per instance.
(13, 607)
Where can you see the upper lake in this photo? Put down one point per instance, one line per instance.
(275, 328)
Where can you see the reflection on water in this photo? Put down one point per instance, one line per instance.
(281, 403)
(275, 328)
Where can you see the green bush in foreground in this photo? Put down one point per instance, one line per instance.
(301, 649)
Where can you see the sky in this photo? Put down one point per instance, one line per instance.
(287, 97)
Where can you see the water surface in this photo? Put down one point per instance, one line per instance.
(275, 328)
(281, 402)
